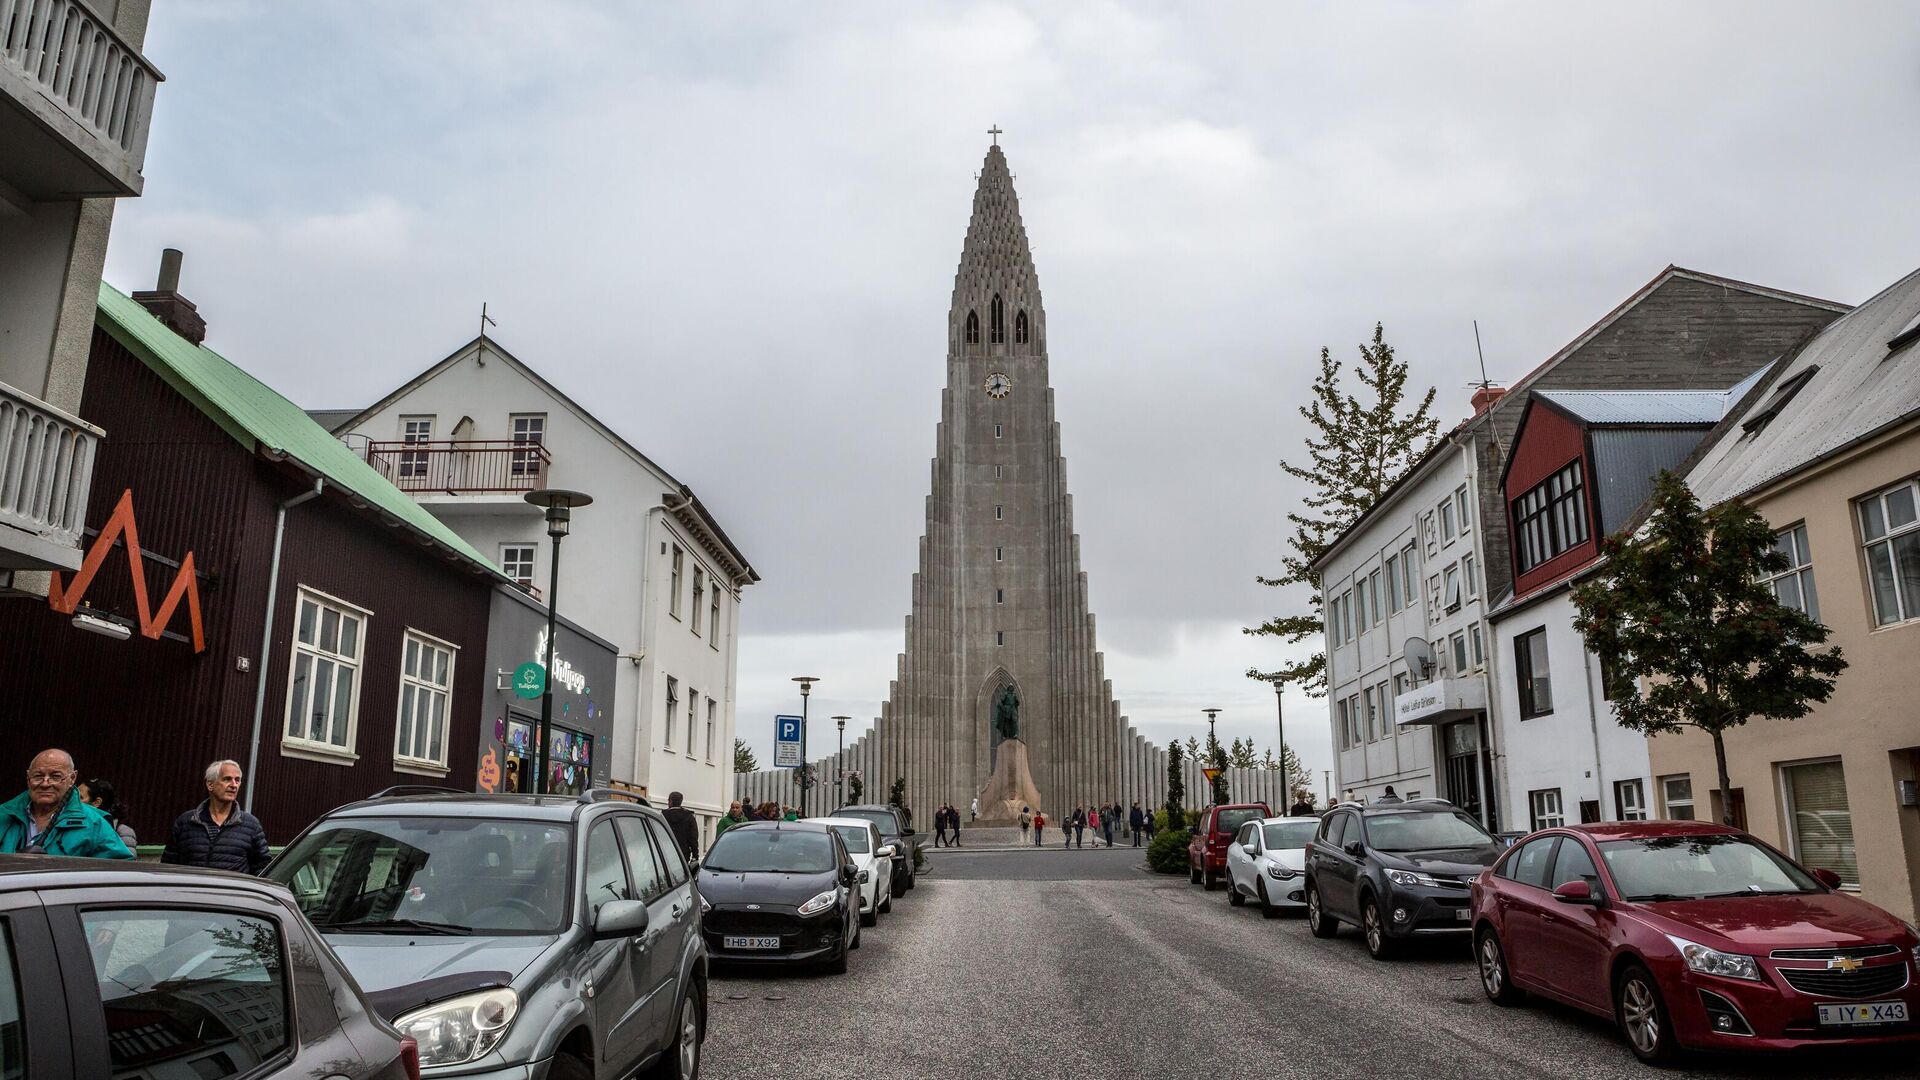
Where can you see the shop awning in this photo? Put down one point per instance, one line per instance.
(1441, 700)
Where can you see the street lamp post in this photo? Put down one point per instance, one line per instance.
(839, 761)
(1280, 706)
(806, 689)
(1213, 786)
(559, 505)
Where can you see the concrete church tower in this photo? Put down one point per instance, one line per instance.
(1000, 600)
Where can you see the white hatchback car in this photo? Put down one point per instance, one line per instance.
(1266, 862)
(875, 860)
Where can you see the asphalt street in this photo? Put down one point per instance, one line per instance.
(1054, 963)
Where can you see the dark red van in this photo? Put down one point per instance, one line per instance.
(1207, 851)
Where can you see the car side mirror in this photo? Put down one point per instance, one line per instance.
(1574, 892)
(1827, 877)
(1354, 849)
(848, 875)
(907, 831)
(886, 851)
(1251, 849)
(619, 918)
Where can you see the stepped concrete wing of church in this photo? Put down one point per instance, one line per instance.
(1001, 694)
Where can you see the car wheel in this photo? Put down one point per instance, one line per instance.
(1213, 881)
(1494, 977)
(1319, 923)
(898, 886)
(1642, 1015)
(681, 1059)
(870, 918)
(886, 902)
(568, 1067)
(1267, 909)
(912, 876)
(1373, 924)
(858, 922)
(1234, 895)
(1193, 874)
(838, 965)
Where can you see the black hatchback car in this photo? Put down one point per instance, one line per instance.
(120, 969)
(780, 892)
(1395, 870)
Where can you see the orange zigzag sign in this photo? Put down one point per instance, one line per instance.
(151, 624)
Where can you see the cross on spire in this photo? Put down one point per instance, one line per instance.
(996, 133)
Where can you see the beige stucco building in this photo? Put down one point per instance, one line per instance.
(1829, 452)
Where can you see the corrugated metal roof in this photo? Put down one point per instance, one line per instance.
(1856, 388)
(1645, 406)
(249, 408)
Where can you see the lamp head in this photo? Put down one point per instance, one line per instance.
(559, 504)
(806, 683)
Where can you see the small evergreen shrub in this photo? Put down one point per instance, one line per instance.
(1168, 852)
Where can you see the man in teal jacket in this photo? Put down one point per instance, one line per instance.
(48, 819)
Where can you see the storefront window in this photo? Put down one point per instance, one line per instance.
(569, 760)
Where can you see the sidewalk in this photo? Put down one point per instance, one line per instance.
(1009, 839)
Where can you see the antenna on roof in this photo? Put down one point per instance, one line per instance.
(481, 354)
(1484, 381)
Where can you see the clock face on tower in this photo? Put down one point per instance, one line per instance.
(998, 385)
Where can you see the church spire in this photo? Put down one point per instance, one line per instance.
(996, 293)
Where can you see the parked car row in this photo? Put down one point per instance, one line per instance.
(1687, 935)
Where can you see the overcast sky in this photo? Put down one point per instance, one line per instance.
(732, 229)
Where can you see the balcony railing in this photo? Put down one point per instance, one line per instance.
(46, 473)
(469, 467)
(82, 68)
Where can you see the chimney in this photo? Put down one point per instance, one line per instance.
(165, 303)
(1485, 397)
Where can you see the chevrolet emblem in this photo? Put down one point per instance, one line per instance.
(1844, 963)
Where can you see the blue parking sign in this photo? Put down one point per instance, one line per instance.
(787, 753)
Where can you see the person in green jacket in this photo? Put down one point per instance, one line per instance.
(728, 820)
(49, 819)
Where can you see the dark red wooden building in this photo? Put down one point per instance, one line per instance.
(157, 658)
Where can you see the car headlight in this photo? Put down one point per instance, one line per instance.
(1275, 870)
(704, 906)
(1714, 962)
(1410, 878)
(818, 904)
(461, 1029)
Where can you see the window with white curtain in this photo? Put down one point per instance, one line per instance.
(1820, 824)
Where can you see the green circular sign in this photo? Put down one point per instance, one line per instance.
(529, 680)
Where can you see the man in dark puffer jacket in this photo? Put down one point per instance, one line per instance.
(217, 834)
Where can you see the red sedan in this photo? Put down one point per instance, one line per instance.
(1693, 935)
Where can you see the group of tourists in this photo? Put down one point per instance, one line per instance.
(1104, 820)
(739, 813)
(946, 825)
(59, 815)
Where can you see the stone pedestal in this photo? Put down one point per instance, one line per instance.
(1011, 785)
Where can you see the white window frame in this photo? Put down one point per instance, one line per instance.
(1477, 645)
(1640, 811)
(1409, 574)
(1370, 714)
(1450, 588)
(1666, 795)
(670, 714)
(299, 745)
(1457, 651)
(415, 429)
(533, 554)
(1787, 812)
(1449, 528)
(405, 762)
(1544, 812)
(713, 618)
(1463, 506)
(693, 714)
(699, 600)
(527, 429)
(1801, 572)
(679, 563)
(1392, 576)
(1374, 604)
(713, 714)
(1469, 580)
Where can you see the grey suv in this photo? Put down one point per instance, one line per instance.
(551, 938)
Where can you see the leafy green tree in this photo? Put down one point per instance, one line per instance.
(1241, 754)
(1688, 632)
(856, 787)
(1355, 451)
(898, 796)
(743, 759)
(1176, 786)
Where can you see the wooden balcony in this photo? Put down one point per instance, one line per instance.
(462, 467)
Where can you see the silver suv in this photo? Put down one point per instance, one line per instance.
(550, 937)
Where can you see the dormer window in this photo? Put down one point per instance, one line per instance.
(973, 328)
(998, 321)
(1778, 400)
(1551, 518)
(1020, 329)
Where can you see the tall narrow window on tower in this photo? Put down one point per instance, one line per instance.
(1020, 328)
(998, 321)
(973, 328)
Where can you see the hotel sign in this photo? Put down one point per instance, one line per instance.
(1441, 700)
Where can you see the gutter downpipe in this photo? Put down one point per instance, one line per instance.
(1593, 722)
(266, 632)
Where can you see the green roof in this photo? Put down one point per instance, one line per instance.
(260, 419)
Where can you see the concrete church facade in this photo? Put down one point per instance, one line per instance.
(1000, 601)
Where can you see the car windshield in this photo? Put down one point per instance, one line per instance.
(1230, 820)
(1691, 867)
(1290, 834)
(1425, 832)
(770, 851)
(882, 818)
(452, 875)
(855, 837)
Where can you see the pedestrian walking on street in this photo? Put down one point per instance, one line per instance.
(953, 818)
(99, 794)
(1079, 824)
(732, 817)
(1302, 806)
(1146, 822)
(940, 827)
(973, 809)
(217, 834)
(1039, 827)
(685, 829)
(1093, 822)
(49, 819)
(1110, 821)
(1026, 819)
(1136, 821)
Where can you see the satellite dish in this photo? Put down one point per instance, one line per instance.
(1419, 656)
